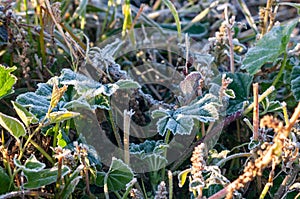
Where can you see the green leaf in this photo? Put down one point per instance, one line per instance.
(182, 126)
(127, 84)
(270, 106)
(154, 162)
(81, 9)
(12, 125)
(7, 80)
(44, 177)
(195, 30)
(31, 164)
(38, 102)
(59, 116)
(296, 82)
(268, 48)
(82, 92)
(4, 182)
(240, 85)
(61, 141)
(181, 121)
(161, 113)
(149, 155)
(204, 110)
(71, 183)
(56, 95)
(118, 176)
(182, 177)
(147, 147)
(175, 15)
(26, 117)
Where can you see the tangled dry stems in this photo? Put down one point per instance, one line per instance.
(269, 153)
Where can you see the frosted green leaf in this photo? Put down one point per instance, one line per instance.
(154, 162)
(31, 164)
(12, 125)
(118, 176)
(161, 113)
(26, 117)
(204, 110)
(268, 48)
(44, 177)
(71, 183)
(196, 184)
(181, 121)
(147, 147)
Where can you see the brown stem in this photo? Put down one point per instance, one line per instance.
(266, 17)
(294, 118)
(286, 181)
(255, 112)
(220, 194)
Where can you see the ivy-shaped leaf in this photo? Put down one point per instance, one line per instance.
(296, 82)
(118, 175)
(30, 165)
(44, 177)
(36, 175)
(268, 48)
(26, 117)
(12, 125)
(7, 80)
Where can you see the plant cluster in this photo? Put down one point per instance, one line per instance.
(61, 68)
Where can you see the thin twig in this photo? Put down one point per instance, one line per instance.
(127, 117)
(229, 24)
(261, 98)
(266, 17)
(255, 112)
(15, 194)
(170, 176)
